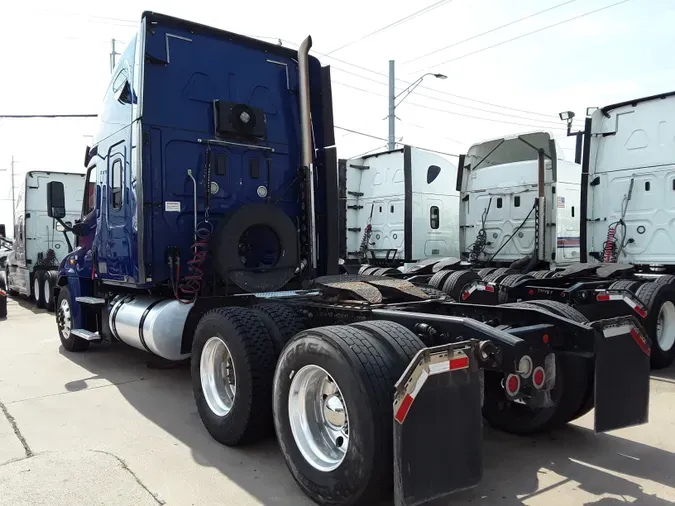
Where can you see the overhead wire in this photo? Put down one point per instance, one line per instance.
(364, 134)
(455, 113)
(530, 33)
(400, 21)
(492, 30)
(381, 74)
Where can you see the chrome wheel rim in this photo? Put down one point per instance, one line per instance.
(36, 288)
(65, 318)
(318, 418)
(218, 377)
(665, 326)
(47, 294)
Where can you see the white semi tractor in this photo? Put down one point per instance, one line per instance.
(397, 207)
(39, 241)
(597, 236)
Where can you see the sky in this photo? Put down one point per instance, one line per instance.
(554, 55)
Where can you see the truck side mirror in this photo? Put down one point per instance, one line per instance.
(56, 200)
(3, 232)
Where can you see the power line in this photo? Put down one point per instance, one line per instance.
(493, 120)
(548, 122)
(350, 130)
(487, 32)
(524, 111)
(395, 23)
(44, 116)
(531, 33)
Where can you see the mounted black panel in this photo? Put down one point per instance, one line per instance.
(240, 120)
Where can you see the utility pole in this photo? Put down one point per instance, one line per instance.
(113, 54)
(391, 145)
(13, 201)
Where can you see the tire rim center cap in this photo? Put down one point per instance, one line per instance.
(334, 411)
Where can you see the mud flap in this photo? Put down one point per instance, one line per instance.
(622, 373)
(438, 434)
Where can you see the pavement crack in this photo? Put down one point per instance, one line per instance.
(88, 389)
(17, 431)
(138, 480)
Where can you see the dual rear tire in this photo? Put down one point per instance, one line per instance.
(329, 398)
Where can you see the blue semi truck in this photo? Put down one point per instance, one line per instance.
(212, 234)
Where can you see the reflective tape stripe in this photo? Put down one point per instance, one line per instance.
(641, 342)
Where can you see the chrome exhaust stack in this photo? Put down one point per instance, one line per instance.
(306, 132)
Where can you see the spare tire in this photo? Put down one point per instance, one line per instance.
(249, 229)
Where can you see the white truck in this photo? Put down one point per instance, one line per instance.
(39, 242)
(597, 239)
(500, 182)
(397, 207)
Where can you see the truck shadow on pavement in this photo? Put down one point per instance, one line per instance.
(600, 470)
(25, 303)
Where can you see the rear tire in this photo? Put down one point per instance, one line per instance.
(542, 274)
(232, 368)
(487, 270)
(455, 283)
(626, 284)
(49, 283)
(438, 279)
(400, 341)
(667, 279)
(360, 371)
(281, 321)
(560, 309)
(64, 323)
(3, 295)
(498, 274)
(38, 289)
(509, 281)
(659, 299)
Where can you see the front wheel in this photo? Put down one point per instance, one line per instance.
(333, 415)
(64, 323)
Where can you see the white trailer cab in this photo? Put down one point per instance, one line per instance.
(499, 182)
(398, 206)
(39, 242)
(631, 183)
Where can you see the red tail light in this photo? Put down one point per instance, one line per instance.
(538, 377)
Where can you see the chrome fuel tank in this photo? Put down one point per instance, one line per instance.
(152, 324)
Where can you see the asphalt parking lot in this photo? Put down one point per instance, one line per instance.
(103, 428)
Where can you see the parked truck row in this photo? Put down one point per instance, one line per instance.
(595, 235)
(211, 234)
(40, 242)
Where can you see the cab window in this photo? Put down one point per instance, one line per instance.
(90, 191)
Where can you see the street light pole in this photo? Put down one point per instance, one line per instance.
(391, 144)
(13, 201)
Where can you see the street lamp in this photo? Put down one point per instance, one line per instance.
(403, 95)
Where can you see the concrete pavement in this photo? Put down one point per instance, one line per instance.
(100, 427)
